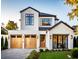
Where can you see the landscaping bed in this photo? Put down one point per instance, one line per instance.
(55, 55)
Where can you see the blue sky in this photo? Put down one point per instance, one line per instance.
(10, 9)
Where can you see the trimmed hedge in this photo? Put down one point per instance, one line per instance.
(2, 42)
(6, 44)
(74, 52)
(41, 50)
(33, 55)
(46, 50)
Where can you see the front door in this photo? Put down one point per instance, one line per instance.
(60, 41)
(42, 41)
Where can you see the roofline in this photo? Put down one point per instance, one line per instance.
(47, 16)
(38, 12)
(28, 8)
(59, 23)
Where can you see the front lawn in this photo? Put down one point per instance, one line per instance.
(55, 55)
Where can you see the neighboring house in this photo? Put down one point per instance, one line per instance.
(41, 30)
(4, 31)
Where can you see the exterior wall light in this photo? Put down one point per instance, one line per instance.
(71, 36)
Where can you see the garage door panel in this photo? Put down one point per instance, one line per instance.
(19, 42)
(33, 42)
(30, 41)
(16, 42)
(27, 43)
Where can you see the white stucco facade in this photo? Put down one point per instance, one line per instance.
(34, 29)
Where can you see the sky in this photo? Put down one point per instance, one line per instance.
(10, 9)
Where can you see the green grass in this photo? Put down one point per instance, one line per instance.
(55, 55)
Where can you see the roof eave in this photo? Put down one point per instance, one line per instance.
(59, 23)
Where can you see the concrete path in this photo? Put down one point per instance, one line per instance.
(15, 53)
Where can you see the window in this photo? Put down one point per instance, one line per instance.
(13, 36)
(60, 41)
(19, 36)
(33, 36)
(27, 36)
(46, 21)
(29, 19)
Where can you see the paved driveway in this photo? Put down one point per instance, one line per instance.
(15, 53)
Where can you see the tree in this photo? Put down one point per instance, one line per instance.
(74, 10)
(6, 43)
(2, 42)
(11, 25)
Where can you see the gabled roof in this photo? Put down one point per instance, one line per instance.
(40, 13)
(60, 23)
(28, 8)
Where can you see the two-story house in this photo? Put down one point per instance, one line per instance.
(41, 30)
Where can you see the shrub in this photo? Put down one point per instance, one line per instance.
(75, 42)
(6, 44)
(75, 53)
(2, 42)
(46, 50)
(41, 50)
(33, 55)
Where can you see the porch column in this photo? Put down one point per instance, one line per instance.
(38, 42)
(70, 42)
(23, 41)
(48, 41)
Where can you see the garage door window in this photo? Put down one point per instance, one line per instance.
(13, 36)
(33, 36)
(19, 36)
(26, 36)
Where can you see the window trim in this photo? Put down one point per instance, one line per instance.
(48, 19)
(29, 22)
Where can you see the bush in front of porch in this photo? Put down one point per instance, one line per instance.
(33, 55)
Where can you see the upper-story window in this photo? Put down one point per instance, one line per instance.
(29, 19)
(46, 21)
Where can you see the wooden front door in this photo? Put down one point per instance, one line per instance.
(42, 41)
(30, 41)
(16, 41)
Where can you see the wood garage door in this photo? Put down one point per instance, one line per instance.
(16, 41)
(30, 41)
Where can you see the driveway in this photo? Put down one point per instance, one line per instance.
(15, 53)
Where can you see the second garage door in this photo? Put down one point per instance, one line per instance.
(16, 41)
(30, 41)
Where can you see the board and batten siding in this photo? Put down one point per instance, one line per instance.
(29, 27)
